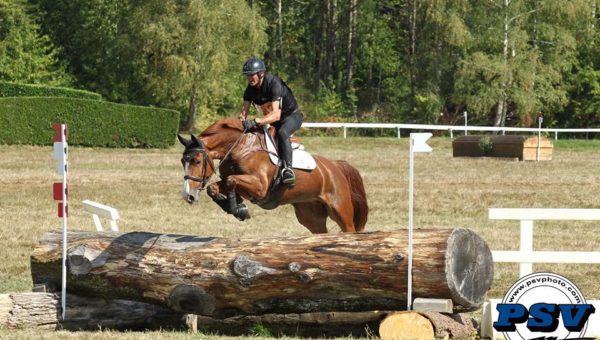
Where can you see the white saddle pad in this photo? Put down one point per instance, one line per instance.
(300, 158)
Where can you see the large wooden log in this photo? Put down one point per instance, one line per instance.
(43, 310)
(221, 277)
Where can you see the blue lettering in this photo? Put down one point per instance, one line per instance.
(544, 317)
(508, 315)
(575, 316)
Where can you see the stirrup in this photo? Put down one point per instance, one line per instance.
(288, 177)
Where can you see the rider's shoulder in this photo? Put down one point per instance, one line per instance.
(269, 77)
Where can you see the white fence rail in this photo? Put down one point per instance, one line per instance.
(449, 128)
(526, 256)
(100, 210)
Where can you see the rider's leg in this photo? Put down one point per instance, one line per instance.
(284, 131)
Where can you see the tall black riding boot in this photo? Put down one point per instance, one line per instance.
(287, 175)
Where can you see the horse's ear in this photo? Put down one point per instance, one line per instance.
(183, 141)
(196, 141)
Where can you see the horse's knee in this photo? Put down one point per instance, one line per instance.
(214, 192)
(221, 200)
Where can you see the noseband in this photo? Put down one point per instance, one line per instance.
(189, 155)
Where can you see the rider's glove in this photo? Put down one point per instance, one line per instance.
(249, 124)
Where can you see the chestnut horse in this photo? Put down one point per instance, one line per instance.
(333, 189)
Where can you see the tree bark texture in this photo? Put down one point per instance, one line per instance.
(221, 277)
(43, 310)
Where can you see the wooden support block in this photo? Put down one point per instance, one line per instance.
(40, 288)
(432, 305)
(191, 322)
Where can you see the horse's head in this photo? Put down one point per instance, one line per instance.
(198, 168)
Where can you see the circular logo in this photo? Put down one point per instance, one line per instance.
(543, 298)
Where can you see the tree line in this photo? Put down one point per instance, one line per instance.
(405, 61)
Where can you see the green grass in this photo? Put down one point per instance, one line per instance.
(144, 186)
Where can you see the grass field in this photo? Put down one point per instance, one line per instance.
(144, 186)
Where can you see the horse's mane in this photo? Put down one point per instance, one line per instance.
(223, 124)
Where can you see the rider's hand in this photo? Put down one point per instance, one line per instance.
(249, 124)
(242, 117)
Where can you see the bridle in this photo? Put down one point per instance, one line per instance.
(189, 155)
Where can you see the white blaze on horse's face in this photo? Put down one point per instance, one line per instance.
(191, 195)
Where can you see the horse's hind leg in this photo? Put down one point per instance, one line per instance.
(313, 216)
(343, 214)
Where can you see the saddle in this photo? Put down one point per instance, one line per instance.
(300, 158)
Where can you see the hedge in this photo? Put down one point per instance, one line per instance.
(28, 120)
(8, 89)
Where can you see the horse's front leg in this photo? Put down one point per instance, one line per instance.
(219, 193)
(252, 187)
(225, 195)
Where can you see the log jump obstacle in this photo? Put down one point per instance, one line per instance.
(220, 277)
(223, 278)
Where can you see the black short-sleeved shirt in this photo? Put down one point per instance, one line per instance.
(271, 90)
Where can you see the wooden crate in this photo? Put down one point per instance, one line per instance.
(525, 148)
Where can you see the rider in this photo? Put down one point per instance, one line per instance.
(279, 107)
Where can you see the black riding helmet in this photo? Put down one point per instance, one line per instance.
(252, 66)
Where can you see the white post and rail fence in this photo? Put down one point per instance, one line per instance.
(526, 256)
(448, 128)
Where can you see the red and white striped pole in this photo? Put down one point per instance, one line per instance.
(60, 193)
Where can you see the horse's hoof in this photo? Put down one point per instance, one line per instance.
(241, 212)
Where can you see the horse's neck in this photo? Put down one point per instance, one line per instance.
(232, 142)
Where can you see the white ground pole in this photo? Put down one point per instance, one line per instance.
(417, 144)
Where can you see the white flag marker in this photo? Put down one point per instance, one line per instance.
(418, 143)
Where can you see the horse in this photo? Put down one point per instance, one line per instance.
(333, 189)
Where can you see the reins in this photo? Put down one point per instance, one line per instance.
(233, 146)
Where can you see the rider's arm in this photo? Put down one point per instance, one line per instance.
(244, 111)
(273, 116)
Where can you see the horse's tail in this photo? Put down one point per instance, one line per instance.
(358, 194)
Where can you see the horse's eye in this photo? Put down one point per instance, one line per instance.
(196, 162)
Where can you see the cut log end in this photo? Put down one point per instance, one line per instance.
(469, 268)
(406, 325)
(427, 325)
